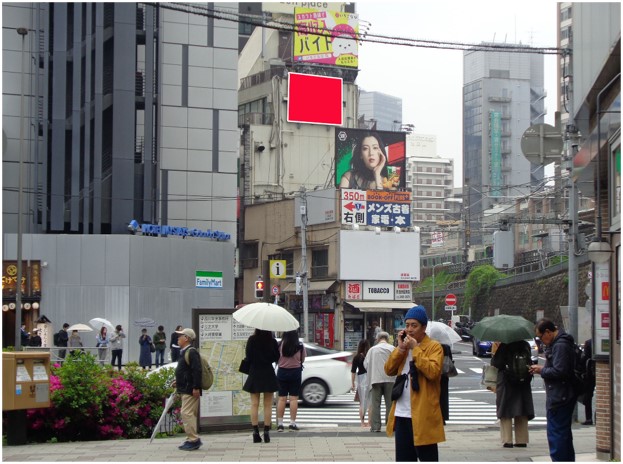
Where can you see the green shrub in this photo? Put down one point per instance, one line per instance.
(94, 402)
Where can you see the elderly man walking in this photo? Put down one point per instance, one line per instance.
(380, 383)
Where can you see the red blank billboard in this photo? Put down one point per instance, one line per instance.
(314, 99)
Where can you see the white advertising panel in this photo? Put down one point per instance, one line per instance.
(374, 290)
(403, 291)
(601, 294)
(321, 207)
(366, 255)
(354, 290)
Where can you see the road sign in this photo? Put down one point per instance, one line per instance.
(277, 268)
(275, 289)
(541, 144)
(450, 299)
(450, 308)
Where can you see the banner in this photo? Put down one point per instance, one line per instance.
(375, 208)
(327, 37)
(370, 160)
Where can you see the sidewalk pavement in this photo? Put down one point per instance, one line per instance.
(337, 444)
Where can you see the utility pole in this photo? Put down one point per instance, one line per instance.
(304, 260)
(18, 285)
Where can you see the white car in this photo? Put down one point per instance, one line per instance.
(534, 351)
(325, 372)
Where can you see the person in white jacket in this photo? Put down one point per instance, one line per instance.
(116, 344)
(380, 384)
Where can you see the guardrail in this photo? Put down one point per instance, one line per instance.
(102, 354)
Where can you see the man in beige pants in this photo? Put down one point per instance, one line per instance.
(188, 385)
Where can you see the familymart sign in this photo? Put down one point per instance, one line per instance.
(208, 279)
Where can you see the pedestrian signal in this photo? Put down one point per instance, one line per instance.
(259, 289)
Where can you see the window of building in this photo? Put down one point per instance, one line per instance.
(248, 255)
(320, 263)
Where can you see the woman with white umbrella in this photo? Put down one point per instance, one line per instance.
(261, 352)
(102, 343)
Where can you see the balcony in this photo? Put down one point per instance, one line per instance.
(265, 119)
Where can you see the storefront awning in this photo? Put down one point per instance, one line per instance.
(379, 306)
(316, 286)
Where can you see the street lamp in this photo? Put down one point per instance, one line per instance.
(434, 266)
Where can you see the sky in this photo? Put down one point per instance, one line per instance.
(430, 81)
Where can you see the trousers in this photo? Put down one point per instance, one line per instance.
(116, 356)
(188, 411)
(521, 429)
(382, 389)
(559, 435)
(406, 450)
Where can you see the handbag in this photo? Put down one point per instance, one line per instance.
(152, 348)
(489, 377)
(245, 366)
(399, 386)
(448, 367)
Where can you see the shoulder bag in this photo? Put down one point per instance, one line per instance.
(399, 386)
(448, 367)
(245, 366)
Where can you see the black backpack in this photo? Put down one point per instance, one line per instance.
(57, 339)
(518, 370)
(580, 373)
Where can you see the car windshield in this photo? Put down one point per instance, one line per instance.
(317, 350)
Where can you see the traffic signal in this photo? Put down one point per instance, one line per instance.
(259, 289)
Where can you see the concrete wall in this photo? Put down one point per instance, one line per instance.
(126, 278)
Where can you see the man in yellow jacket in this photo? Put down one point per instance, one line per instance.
(415, 417)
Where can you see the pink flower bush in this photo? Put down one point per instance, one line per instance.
(92, 402)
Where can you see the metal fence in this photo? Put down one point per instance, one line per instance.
(60, 353)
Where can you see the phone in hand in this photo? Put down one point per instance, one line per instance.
(403, 335)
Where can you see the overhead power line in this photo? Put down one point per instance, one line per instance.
(359, 37)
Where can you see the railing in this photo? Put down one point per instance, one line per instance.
(102, 354)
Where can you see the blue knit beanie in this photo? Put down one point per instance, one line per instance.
(418, 313)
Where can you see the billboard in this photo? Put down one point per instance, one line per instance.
(325, 37)
(387, 256)
(314, 99)
(320, 207)
(370, 160)
(375, 208)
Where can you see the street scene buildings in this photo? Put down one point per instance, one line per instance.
(146, 146)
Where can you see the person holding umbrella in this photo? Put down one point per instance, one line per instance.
(102, 343)
(261, 351)
(513, 394)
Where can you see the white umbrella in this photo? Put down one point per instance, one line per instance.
(79, 328)
(167, 406)
(443, 333)
(266, 316)
(98, 322)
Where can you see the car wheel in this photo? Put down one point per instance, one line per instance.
(314, 392)
(474, 352)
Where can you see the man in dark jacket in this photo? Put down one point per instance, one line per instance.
(557, 373)
(188, 384)
(63, 338)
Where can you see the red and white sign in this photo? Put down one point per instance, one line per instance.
(275, 289)
(451, 299)
(354, 290)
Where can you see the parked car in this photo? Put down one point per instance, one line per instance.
(325, 372)
(481, 348)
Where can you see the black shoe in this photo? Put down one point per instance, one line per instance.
(191, 445)
(520, 445)
(508, 445)
(588, 422)
(280, 428)
(256, 437)
(266, 437)
(294, 427)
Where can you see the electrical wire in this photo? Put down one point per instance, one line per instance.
(359, 37)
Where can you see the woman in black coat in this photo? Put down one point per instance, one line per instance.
(513, 398)
(261, 352)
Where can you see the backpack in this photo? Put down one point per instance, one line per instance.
(580, 373)
(207, 376)
(519, 370)
(57, 339)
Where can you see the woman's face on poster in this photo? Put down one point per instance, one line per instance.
(371, 153)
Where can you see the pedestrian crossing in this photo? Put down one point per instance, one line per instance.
(342, 410)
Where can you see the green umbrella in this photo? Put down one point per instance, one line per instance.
(503, 328)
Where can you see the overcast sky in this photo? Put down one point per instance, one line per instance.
(430, 81)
